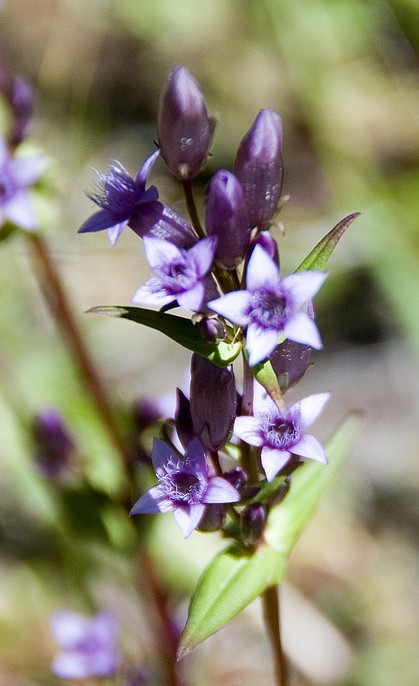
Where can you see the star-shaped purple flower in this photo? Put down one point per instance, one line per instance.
(282, 434)
(89, 645)
(272, 308)
(180, 274)
(184, 487)
(17, 174)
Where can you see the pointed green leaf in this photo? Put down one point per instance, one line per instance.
(287, 520)
(265, 375)
(178, 329)
(230, 582)
(320, 254)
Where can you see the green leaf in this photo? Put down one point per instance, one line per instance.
(310, 482)
(178, 329)
(230, 582)
(319, 256)
(265, 375)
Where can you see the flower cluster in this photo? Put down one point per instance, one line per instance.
(225, 270)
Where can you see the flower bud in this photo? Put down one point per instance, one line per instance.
(213, 517)
(183, 419)
(258, 167)
(290, 360)
(184, 128)
(269, 244)
(226, 217)
(237, 477)
(253, 523)
(211, 329)
(213, 402)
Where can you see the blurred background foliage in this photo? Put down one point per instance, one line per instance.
(344, 76)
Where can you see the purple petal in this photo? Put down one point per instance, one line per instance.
(115, 231)
(188, 517)
(69, 628)
(232, 306)
(303, 285)
(152, 294)
(20, 211)
(203, 254)
(262, 271)
(152, 502)
(159, 220)
(72, 665)
(99, 221)
(308, 446)
(159, 251)
(145, 169)
(301, 329)
(260, 343)
(273, 460)
(195, 456)
(27, 170)
(193, 298)
(310, 408)
(220, 491)
(248, 430)
(161, 455)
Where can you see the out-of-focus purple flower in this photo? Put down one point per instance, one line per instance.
(180, 274)
(282, 435)
(17, 175)
(272, 308)
(258, 166)
(184, 128)
(185, 486)
(22, 99)
(213, 402)
(54, 447)
(89, 645)
(226, 217)
(124, 201)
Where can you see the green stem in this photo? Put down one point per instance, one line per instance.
(270, 602)
(191, 207)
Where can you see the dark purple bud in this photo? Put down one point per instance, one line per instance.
(237, 477)
(269, 244)
(290, 360)
(213, 517)
(253, 523)
(54, 447)
(258, 167)
(211, 329)
(183, 419)
(226, 217)
(213, 402)
(184, 128)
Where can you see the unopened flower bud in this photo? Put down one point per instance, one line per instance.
(237, 477)
(213, 517)
(226, 217)
(183, 419)
(253, 523)
(213, 402)
(184, 128)
(258, 167)
(290, 360)
(269, 244)
(211, 329)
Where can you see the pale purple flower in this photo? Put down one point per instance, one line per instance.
(282, 434)
(89, 645)
(179, 274)
(124, 201)
(272, 309)
(185, 486)
(17, 175)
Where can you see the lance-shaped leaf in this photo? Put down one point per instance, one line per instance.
(287, 520)
(178, 329)
(231, 581)
(318, 258)
(236, 577)
(265, 375)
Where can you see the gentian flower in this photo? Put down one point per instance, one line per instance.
(258, 166)
(88, 645)
(185, 486)
(180, 274)
(17, 174)
(124, 201)
(185, 130)
(281, 434)
(272, 309)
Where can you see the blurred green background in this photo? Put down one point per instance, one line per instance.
(344, 76)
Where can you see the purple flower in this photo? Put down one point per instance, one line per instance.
(184, 127)
(88, 645)
(258, 166)
(17, 174)
(272, 309)
(282, 434)
(55, 448)
(124, 201)
(180, 274)
(184, 487)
